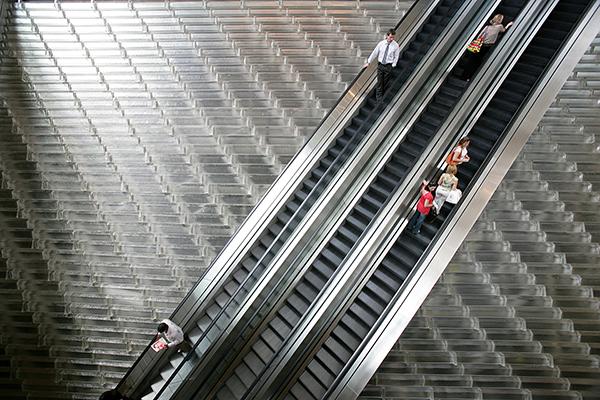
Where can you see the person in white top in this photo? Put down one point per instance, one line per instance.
(174, 335)
(387, 52)
(459, 154)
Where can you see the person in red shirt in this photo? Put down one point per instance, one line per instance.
(423, 207)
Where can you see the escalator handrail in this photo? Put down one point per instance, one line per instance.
(460, 51)
(475, 197)
(180, 366)
(375, 229)
(374, 232)
(258, 219)
(317, 190)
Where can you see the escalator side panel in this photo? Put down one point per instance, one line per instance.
(485, 135)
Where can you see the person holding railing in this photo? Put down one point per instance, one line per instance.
(424, 205)
(481, 45)
(387, 52)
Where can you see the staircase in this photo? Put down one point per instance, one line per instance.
(136, 137)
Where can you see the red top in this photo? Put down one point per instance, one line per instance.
(421, 204)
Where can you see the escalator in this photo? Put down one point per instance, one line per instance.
(328, 368)
(244, 368)
(265, 341)
(220, 305)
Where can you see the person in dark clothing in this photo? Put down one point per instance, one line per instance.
(113, 394)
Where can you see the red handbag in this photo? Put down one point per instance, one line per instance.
(475, 45)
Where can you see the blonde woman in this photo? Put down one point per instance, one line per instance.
(489, 34)
(446, 184)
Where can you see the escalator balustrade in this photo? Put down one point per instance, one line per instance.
(248, 271)
(274, 334)
(358, 319)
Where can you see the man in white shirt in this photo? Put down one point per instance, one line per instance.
(387, 52)
(173, 335)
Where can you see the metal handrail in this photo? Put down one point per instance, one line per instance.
(481, 188)
(181, 365)
(257, 221)
(293, 268)
(372, 233)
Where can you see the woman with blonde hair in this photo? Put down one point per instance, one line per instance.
(479, 48)
(446, 184)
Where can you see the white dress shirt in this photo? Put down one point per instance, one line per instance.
(392, 54)
(174, 334)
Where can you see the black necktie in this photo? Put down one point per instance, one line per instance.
(385, 53)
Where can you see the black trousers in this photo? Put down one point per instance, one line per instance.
(472, 62)
(384, 72)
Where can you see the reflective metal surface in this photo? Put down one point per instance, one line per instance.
(276, 196)
(413, 295)
(256, 222)
(384, 151)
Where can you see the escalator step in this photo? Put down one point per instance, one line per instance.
(325, 268)
(340, 245)
(245, 375)
(254, 362)
(276, 228)
(373, 200)
(388, 179)
(307, 291)
(212, 311)
(380, 285)
(229, 289)
(299, 391)
(337, 345)
(248, 265)
(262, 350)
(355, 319)
(343, 140)
(315, 279)
(437, 109)
(312, 385)
(294, 205)
(333, 363)
(419, 140)
(410, 150)
(357, 224)
(281, 325)
(370, 306)
(226, 393)
(347, 334)
(321, 373)
(286, 215)
(398, 165)
(351, 231)
(365, 211)
(381, 188)
(278, 329)
(424, 129)
(239, 276)
(327, 161)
